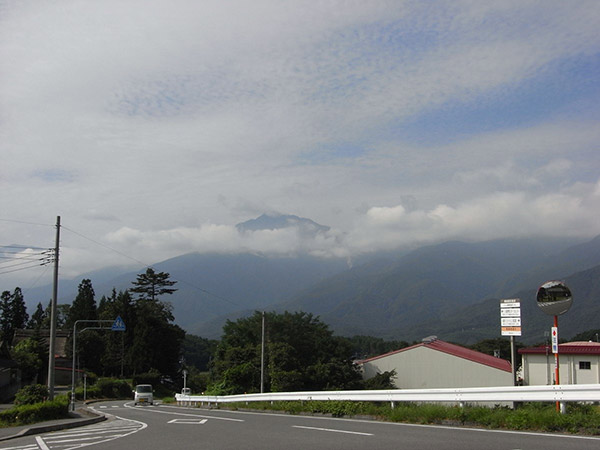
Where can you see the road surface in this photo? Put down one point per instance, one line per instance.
(171, 427)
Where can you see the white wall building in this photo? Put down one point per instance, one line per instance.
(579, 363)
(438, 364)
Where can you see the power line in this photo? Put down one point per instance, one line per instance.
(106, 246)
(25, 223)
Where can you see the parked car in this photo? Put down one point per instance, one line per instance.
(143, 393)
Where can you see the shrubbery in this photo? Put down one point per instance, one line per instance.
(31, 394)
(106, 388)
(32, 413)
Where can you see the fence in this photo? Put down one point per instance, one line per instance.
(555, 393)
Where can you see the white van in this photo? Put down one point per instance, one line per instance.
(143, 394)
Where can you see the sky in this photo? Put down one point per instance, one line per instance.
(153, 127)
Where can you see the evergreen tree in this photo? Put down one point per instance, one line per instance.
(84, 305)
(118, 345)
(156, 340)
(90, 344)
(37, 318)
(151, 285)
(13, 314)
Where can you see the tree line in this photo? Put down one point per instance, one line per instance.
(299, 351)
(151, 342)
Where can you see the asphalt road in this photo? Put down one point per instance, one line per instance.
(171, 427)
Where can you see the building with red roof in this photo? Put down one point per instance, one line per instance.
(579, 364)
(437, 364)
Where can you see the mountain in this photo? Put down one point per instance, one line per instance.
(449, 289)
(212, 285)
(421, 292)
(278, 221)
(481, 320)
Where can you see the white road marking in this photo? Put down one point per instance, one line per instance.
(189, 421)
(332, 430)
(41, 443)
(190, 415)
(98, 434)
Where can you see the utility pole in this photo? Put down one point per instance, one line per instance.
(262, 356)
(53, 314)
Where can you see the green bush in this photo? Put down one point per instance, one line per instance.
(31, 394)
(106, 388)
(39, 412)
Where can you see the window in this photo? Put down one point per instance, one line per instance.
(585, 365)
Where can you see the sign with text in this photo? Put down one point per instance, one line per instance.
(510, 316)
(554, 340)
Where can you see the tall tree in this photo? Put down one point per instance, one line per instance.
(151, 285)
(84, 305)
(37, 318)
(117, 354)
(90, 344)
(156, 340)
(13, 314)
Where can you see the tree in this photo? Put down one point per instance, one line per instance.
(84, 305)
(197, 351)
(151, 285)
(117, 353)
(14, 314)
(37, 318)
(301, 353)
(29, 355)
(90, 345)
(156, 340)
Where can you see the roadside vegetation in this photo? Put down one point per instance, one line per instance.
(31, 407)
(579, 419)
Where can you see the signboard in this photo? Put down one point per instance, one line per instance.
(118, 324)
(554, 340)
(510, 317)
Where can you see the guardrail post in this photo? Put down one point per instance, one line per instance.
(393, 405)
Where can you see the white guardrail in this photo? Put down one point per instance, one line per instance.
(557, 393)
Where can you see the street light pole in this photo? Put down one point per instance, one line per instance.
(75, 351)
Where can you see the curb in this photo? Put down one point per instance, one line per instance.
(58, 426)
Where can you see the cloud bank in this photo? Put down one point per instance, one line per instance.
(153, 127)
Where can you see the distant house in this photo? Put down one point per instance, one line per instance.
(579, 364)
(63, 364)
(438, 364)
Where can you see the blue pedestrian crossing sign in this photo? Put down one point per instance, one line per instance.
(118, 324)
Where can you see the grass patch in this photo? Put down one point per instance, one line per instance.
(579, 419)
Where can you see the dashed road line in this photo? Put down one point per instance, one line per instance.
(331, 430)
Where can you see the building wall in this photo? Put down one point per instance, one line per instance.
(425, 368)
(539, 369)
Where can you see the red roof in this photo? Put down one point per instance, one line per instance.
(454, 350)
(570, 348)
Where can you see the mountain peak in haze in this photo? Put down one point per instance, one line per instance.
(280, 221)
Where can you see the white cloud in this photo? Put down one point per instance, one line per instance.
(154, 126)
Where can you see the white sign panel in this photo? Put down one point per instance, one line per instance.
(510, 316)
(510, 321)
(554, 340)
(510, 312)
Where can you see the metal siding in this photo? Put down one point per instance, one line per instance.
(422, 368)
